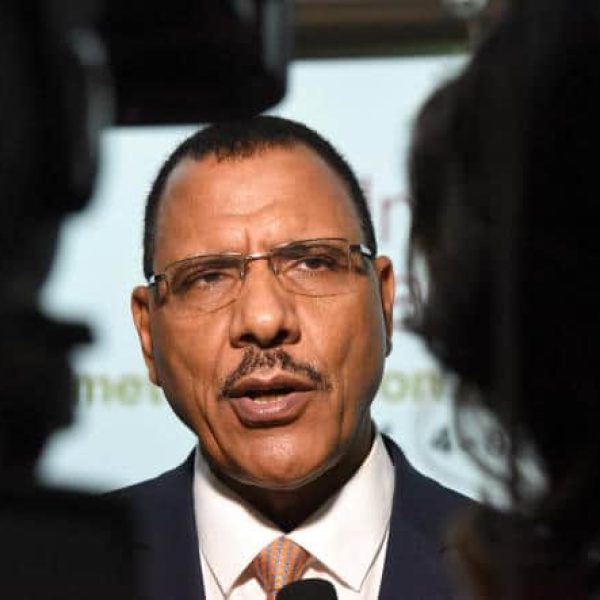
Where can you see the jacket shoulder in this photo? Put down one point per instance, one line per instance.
(151, 501)
(166, 541)
(418, 551)
(159, 485)
(428, 504)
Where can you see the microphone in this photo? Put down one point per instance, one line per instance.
(307, 589)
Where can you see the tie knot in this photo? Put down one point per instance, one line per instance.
(278, 564)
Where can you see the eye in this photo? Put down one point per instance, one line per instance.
(315, 260)
(316, 263)
(203, 278)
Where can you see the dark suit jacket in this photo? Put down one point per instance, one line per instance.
(414, 569)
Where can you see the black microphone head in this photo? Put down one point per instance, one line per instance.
(307, 589)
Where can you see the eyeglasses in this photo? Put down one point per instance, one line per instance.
(321, 267)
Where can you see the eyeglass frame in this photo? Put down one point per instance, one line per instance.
(155, 278)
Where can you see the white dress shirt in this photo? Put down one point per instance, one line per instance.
(347, 536)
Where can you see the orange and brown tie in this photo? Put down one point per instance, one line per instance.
(278, 564)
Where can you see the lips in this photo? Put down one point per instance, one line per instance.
(269, 399)
(257, 387)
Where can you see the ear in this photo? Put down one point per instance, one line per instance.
(387, 291)
(140, 309)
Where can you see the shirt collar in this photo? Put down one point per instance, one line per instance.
(345, 534)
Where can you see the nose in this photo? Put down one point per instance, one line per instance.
(264, 314)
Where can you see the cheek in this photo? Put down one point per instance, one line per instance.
(365, 360)
(186, 356)
(351, 347)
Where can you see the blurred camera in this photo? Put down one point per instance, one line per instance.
(193, 61)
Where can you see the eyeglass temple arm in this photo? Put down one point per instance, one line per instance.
(364, 250)
(154, 278)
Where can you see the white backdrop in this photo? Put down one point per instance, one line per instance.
(124, 430)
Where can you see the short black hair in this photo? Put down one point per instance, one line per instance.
(244, 138)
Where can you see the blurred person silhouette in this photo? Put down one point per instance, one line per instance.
(54, 544)
(504, 179)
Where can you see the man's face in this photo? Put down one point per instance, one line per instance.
(277, 386)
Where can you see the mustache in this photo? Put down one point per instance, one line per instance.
(255, 360)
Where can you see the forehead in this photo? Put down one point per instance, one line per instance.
(252, 203)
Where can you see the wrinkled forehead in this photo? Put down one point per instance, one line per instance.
(253, 202)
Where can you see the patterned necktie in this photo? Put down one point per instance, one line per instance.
(278, 564)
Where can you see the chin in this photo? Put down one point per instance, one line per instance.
(278, 463)
(286, 477)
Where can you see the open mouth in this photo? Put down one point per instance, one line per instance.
(267, 395)
(267, 386)
(269, 399)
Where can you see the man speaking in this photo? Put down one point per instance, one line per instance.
(266, 320)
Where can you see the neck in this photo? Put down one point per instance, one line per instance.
(288, 508)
